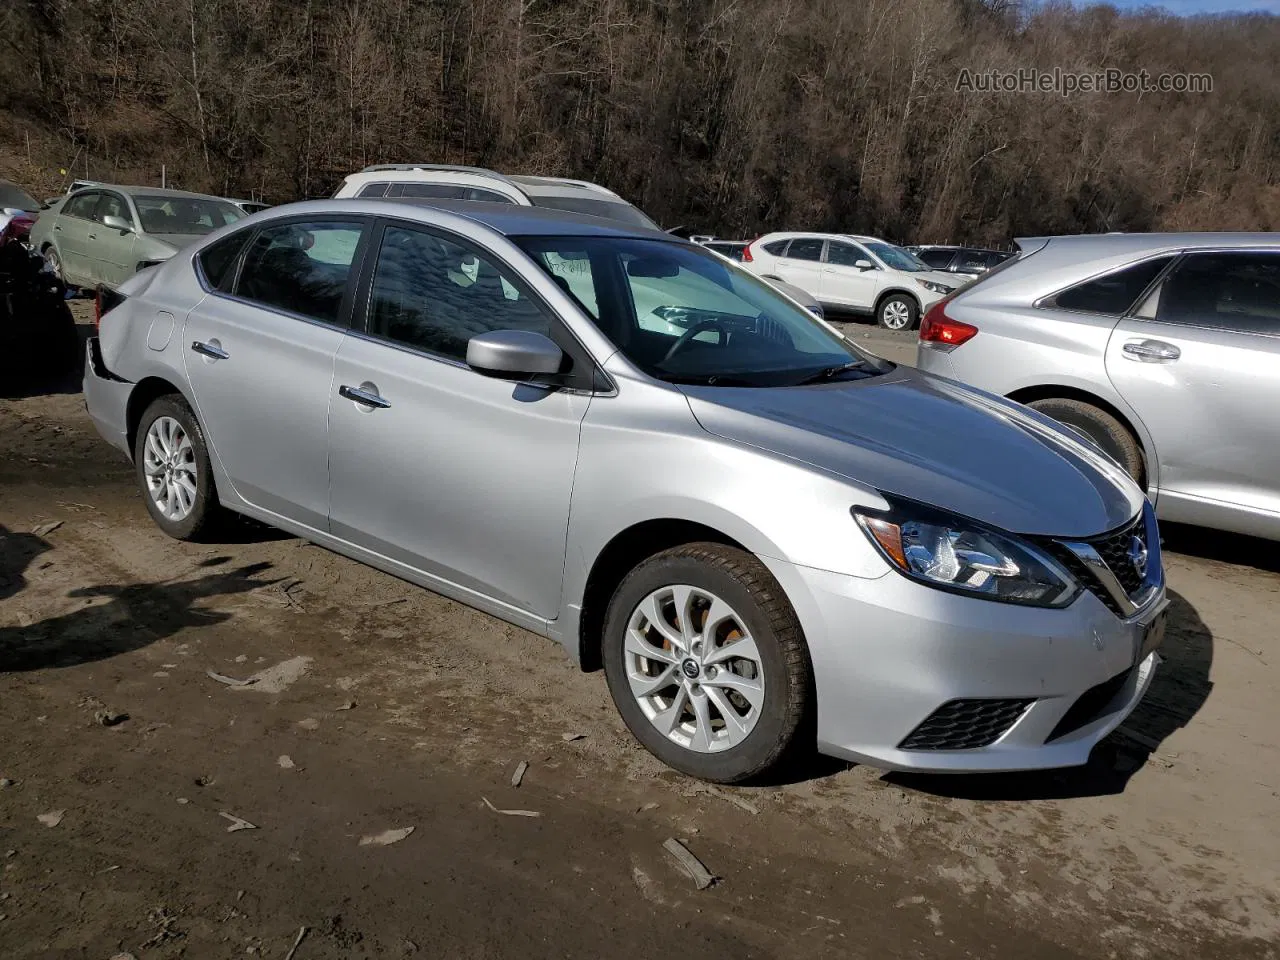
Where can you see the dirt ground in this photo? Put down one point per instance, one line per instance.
(382, 707)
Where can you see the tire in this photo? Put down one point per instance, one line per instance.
(1101, 428)
(190, 462)
(898, 312)
(54, 261)
(776, 673)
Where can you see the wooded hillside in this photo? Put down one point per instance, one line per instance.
(728, 115)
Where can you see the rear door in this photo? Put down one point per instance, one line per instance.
(259, 355)
(1200, 363)
(71, 237)
(458, 475)
(802, 264)
(843, 282)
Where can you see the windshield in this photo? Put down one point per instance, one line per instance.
(15, 198)
(684, 315)
(608, 209)
(185, 215)
(895, 258)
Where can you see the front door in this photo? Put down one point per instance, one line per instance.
(112, 248)
(71, 238)
(802, 265)
(848, 285)
(260, 362)
(1203, 373)
(460, 476)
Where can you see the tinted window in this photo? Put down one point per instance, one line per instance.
(217, 260)
(937, 259)
(805, 248)
(895, 258)
(190, 216)
(971, 261)
(373, 190)
(1231, 291)
(995, 258)
(731, 250)
(1115, 292)
(608, 209)
(301, 267)
(16, 198)
(845, 254)
(81, 205)
(777, 247)
(435, 294)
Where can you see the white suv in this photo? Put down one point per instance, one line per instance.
(444, 182)
(858, 274)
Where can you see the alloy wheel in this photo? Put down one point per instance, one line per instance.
(694, 668)
(895, 315)
(169, 462)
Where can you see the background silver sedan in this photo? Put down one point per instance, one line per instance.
(629, 444)
(1163, 349)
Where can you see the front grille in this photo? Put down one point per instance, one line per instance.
(965, 725)
(1089, 706)
(1113, 548)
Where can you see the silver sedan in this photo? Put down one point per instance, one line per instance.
(769, 539)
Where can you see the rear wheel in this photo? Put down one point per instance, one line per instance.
(54, 263)
(173, 469)
(707, 663)
(898, 312)
(1100, 428)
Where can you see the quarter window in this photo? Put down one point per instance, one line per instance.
(301, 267)
(1229, 291)
(1114, 293)
(218, 259)
(373, 190)
(435, 294)
(805, 248)
(776, 247)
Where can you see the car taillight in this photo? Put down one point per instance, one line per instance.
(104, 302)
(746, 253)
(937, 327)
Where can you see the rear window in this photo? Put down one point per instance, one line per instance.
(608, 209)
(938, 259)
(1113, 293)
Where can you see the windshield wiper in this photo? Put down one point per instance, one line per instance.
(710, 380)
(830, 373)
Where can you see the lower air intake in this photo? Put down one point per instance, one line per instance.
(965, 725)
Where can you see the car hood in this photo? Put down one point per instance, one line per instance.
(939, 276)
(176, 240)
(931, 440)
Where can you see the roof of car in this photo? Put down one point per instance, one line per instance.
(559, 186)
(1120, 243)
(818, 235)
(150, 191)
(510, 219)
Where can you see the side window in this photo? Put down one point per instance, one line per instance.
(301, 267)
(778, 247)
(218, 259)
(994, 259)
(373, 190)
(805, 248)
(435, 294)
(844, 254)
(938, 259)
(434, 191)
(571, 270)
(971, 261)
(81, 205)
(112, 205)
(1113, 293)
(1227, 291)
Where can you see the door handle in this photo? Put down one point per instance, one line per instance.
(363, 397)
(210, 350)
(1150, 351)
(93, 236)
(57, 226)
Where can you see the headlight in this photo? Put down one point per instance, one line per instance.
(963, 556)
(934, 287)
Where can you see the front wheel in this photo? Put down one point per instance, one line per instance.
(54, 263)
(707, 663)
(173, 469)
(898, 312)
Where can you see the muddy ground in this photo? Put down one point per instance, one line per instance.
(383, 707)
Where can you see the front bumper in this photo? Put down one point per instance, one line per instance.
(106, 398)
(888, 653)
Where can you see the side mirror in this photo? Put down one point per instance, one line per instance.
(864, 265)
(117, 223)
(513, 354)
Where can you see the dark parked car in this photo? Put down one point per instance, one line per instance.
(966, 261)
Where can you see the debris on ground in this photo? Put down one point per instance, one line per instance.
(229, 681)
(519, 774)
(203, 781)
(386, 837)
(302, 932)
(570, 737)
(285, 762)
(110, 718)
(6, 782)
(52, 818)
(183, 800)
(310, 723)
(44, 529)
(348, 705)
(733, 798)
(280, 677)
(701, 876)
(123, 956)
(510, 813)
(237, 823)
